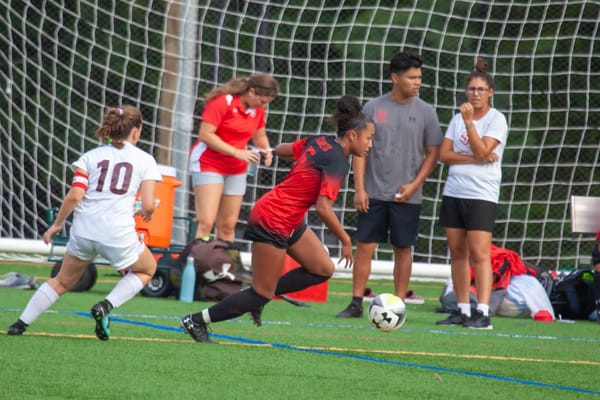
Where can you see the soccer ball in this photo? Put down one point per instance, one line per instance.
(387, 312)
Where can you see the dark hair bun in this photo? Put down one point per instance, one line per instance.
(481, 65)
(349, 105)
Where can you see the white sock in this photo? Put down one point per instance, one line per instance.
(125, 290)
(41, 300)
(206, 316)
(484, 308)
(465, 308)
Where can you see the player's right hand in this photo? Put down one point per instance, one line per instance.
(47, 237)
(361, 201)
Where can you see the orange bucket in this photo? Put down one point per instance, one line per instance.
(316, 293)
(157, 232)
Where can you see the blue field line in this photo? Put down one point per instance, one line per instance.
(115, 318)
(406, 364)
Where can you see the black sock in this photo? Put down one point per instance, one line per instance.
(298, 279)
(233, 306)
(357, 301)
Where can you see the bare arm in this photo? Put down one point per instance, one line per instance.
(284, 151)
(69, 203)
(207, 134)
(261, 141)
(449, 157)
(147, 195)
(482, 148)
(324, 207)
(361, 197)
(406, 191)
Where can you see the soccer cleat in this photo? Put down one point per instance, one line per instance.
(456, 318)
(478, 321)
(256, 316)
(413, 298)
(352, 311)
(17, 328)
(369, 295)
(100, 314)
(198, 331)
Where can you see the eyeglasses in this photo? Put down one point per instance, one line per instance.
(478, 90)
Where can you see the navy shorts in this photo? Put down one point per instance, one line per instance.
(256, 233)
(468, 214)
(388, 221)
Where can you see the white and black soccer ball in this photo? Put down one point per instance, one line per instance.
(387, 312)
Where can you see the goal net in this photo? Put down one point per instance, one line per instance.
(64, 62)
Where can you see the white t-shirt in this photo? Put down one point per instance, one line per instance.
(105, 214)
(476, 181)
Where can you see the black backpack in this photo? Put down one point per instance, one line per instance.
(572, 297)
(219, 269)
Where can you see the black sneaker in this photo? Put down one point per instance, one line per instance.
(17, 328)
(352, 311)
(198, 331)
(478, 321)
(256, 316)
(456, 318)
(100, 314)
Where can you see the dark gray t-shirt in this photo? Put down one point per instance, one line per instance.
(402, 132)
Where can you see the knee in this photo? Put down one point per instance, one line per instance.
(263, 291)
(480, 258)
(61, 286)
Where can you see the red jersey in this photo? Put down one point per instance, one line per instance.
(320, 169)
(235, 125)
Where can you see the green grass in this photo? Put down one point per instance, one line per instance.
(299, 353)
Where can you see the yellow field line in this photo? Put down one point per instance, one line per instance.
(450, 355)
(332, 349)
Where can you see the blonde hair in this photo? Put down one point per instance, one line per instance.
(263, 85)
(117, 124)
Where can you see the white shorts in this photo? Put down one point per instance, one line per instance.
(119, 257)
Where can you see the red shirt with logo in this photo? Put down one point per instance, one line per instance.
(235, 125)
(320, 169)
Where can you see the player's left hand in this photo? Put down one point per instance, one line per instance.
(144, 215)
(347, 256)
(267, 156)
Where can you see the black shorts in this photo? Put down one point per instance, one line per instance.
(468, 214)
(256, 233)
(387, 219)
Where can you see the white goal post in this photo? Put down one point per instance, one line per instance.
(63, 63)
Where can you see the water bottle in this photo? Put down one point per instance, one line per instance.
(253, 167)
(188, 281)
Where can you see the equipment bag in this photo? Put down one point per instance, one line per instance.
(572, 297)
(219, 270)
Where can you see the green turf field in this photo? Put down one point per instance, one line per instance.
(299, 352)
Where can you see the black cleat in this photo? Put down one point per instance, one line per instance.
(198, 331)
(256, 316)
(100, 314)
(17, 328)
(478, 321)
(352, 311)
(456, 318)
